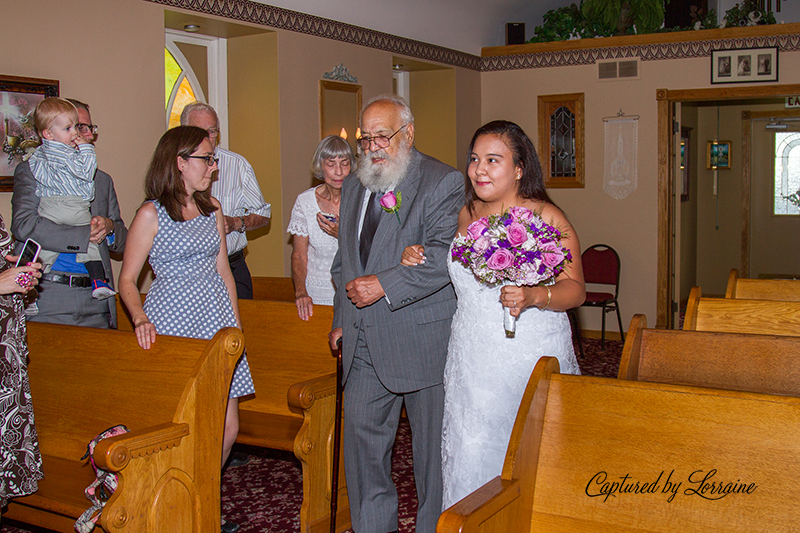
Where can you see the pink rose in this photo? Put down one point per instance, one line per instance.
(477, 228)
(500, 260)
(521, 214)
(516, 234)
(389, 201)
(482, 244)
(552, 254)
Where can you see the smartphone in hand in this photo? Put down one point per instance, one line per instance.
(30, 252)
(329, 217)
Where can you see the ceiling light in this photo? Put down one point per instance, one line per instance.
(191, 28)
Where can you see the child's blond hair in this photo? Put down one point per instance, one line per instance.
(48, 109)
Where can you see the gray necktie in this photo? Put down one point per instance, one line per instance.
(371, 219)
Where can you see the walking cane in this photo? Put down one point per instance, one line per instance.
(337, 438)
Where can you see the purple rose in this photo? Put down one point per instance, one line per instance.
(516, 234)
(500, 260)
(522, 215)
(552, 254)
(389, 201)
(477, 228)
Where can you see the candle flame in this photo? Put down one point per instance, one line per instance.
(343, 134)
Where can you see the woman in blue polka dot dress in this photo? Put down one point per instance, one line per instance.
(180, 227)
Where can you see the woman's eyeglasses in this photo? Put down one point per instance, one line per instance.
(210, 159)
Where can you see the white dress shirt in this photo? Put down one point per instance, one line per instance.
(238, 192)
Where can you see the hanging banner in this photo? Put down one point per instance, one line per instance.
(622, 139)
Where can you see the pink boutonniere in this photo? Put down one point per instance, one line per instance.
(390, 202)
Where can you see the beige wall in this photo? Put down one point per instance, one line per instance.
(629, 225)
(254, 126)
(101, 58)
(433, 99)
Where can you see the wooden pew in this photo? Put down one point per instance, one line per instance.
(172, 398)
(582, 445)
(730, 315)
(734, 361)
(273, 288)
(294, 372)
(762, 289)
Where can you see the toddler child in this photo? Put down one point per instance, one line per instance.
(64, 167)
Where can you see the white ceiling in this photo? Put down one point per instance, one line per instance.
(464, 25)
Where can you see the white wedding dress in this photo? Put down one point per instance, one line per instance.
(485, 377)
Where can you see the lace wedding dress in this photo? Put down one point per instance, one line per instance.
(485, 377)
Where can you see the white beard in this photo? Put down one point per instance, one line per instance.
(383, 177)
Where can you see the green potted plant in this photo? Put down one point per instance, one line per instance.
(647, 16)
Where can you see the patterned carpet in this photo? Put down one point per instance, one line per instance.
(265, 495)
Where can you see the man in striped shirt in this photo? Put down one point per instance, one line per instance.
(237, 190)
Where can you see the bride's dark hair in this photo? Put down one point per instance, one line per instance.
(531, 184)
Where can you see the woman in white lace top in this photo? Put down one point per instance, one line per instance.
(315, 225)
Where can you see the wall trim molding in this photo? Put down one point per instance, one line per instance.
(651, 47)
(645, 52)
(276, 17)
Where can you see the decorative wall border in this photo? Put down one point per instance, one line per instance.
(285, 19)
(646, 52)
(276, 17)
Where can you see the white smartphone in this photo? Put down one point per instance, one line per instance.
(329, 217)
(30, 253)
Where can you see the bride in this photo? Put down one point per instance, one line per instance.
(486, 373)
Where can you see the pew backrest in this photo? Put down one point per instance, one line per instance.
(273, 288)
(762, 289)
(732, 315)
(768, 364)
(596, 454)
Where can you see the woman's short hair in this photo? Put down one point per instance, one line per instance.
(163, 181)
(48, 109)
(531, 183)
(331, 147)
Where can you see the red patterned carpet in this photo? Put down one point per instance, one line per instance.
(264, 496)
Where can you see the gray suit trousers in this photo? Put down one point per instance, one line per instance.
(371, 417)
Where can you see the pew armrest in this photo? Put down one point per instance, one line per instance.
(495, 502)
(301, 396)
(113, 454)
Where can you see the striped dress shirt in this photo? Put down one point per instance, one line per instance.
(238, 192)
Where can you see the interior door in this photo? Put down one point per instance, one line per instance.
(774, 251)
(677, 182)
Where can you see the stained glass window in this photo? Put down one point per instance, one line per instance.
(562, 143)
(787, 173)
(178, 89)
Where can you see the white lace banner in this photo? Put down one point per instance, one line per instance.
(622, 139)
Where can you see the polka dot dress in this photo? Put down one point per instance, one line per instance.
(188, 297)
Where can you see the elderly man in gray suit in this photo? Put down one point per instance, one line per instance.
(394, 320)
(65, 293)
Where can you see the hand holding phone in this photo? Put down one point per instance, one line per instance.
(30, 253)
(329, 217)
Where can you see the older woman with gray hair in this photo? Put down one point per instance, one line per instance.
(314, 225)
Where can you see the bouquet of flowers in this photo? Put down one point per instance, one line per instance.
(515, 246)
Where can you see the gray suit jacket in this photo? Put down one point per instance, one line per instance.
(407, 335)
(26, 222)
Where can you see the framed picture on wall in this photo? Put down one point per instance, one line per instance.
(18, 98)
(718, 155)
(744, 66)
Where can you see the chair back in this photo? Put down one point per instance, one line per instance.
(601, 265)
